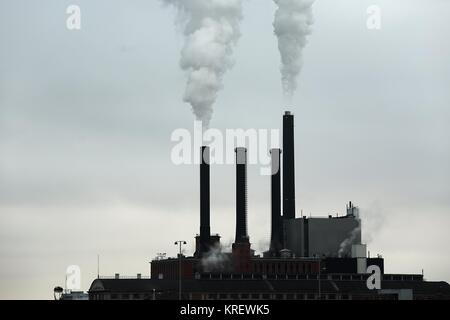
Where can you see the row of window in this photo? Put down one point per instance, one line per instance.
(283, 268)
(247, 296)
(120, 296)
(226, 296)
(277, 296)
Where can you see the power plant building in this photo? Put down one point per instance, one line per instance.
(322, 237)
(307, 258)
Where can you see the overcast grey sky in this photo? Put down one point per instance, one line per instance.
(86, 118)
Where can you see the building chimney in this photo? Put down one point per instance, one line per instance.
(241, 196)
(205, 232)
(288, 167)
(276, 239)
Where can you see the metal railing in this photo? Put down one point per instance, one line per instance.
(120, 277)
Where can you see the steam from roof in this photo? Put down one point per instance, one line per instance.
(292, 25)
(211, 30)
(346, 245)
(215, 260)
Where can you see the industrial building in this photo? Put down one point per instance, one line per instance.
(332, 287)
(308, 257)
(304, 236)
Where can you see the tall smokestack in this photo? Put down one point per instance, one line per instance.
(276, 235)
(205, 232)
(288, 167)
(241, 196)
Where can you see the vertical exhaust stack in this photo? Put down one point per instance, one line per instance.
(241, 252)
(241, 196)
(276, 239)
(205, 233)
(288, 167)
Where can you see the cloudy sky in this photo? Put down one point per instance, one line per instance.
(86, 118)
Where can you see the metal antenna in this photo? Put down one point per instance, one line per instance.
(98, 266)
(180, 243)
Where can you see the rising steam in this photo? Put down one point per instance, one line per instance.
(215, 260)
(374, 217)
(292, 25)
(346, 245)
(211, 30)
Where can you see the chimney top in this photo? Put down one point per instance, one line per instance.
(275, 150)
(241, 155)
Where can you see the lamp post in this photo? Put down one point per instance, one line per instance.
(320, 277)
(57, 293)
(320, 294)
(179, 243)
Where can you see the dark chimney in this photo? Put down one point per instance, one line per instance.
(205, 232)
(276, 239)
(288, 167)
(241, 196)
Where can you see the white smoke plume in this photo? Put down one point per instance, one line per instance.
(211, 30)
(374, 217)
(346, 245)
(292, 25)
(263, 245)
(215, 260)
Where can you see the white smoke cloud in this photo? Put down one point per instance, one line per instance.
(215, 260)
(211, 30)
(292, 25)
(263, 245)
(374, 217)
(345, 246)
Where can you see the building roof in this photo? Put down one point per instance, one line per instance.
(263, 286)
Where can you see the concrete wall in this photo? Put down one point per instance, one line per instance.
(294, 236)
(321, 236)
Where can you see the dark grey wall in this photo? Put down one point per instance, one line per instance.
(325, 235)
(294, 234)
